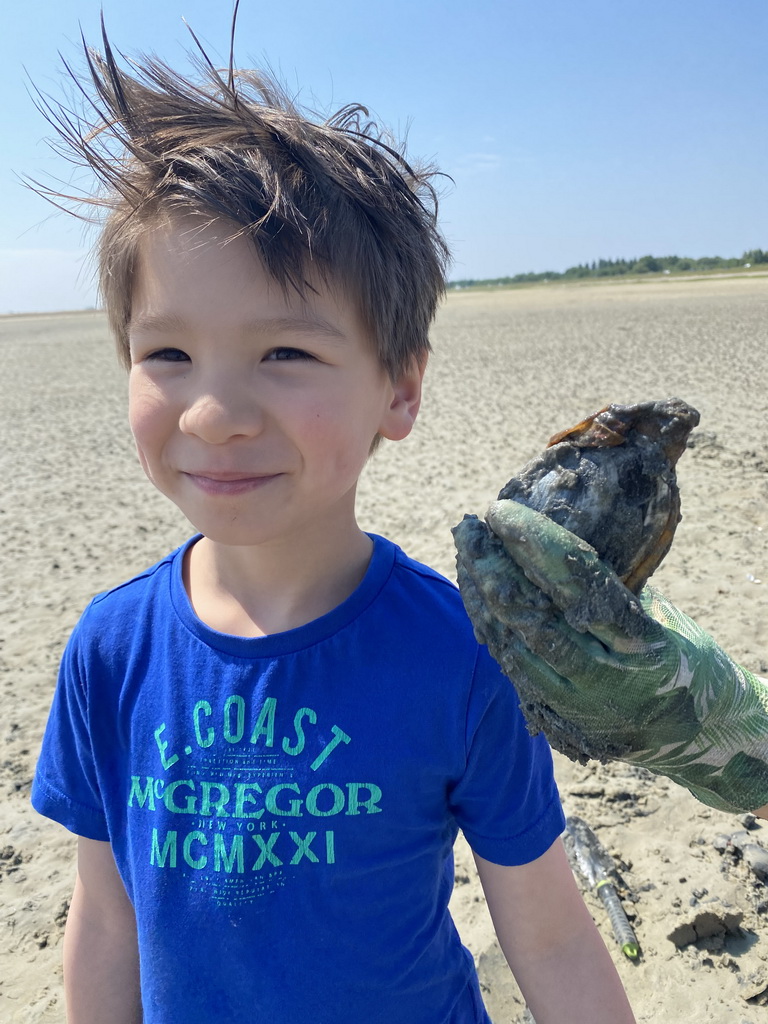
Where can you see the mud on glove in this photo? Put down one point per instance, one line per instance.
(605, 674)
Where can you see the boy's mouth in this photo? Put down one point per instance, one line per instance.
(229, 483)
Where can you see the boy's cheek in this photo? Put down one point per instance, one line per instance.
(141, 454)
(146, 430)
(344, 447)
(149, 411)
(142, 458)
(138, 430)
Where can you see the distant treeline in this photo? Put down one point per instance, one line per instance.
(615, 268)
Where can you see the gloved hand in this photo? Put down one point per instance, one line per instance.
(605, 674)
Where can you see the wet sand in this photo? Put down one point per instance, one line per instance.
(509, 368)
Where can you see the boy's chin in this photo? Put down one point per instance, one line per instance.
(237, 538)
(248, 535)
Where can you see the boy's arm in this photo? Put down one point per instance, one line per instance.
(551, 943)
(101, 958)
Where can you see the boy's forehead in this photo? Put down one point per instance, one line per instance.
(169, 240)
(182, 259)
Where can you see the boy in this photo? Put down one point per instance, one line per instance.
(268, 741)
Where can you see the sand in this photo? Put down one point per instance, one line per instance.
(509, 368)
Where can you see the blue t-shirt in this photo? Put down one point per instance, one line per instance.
(282, 809)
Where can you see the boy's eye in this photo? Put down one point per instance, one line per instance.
(286, 354)
(168, 355)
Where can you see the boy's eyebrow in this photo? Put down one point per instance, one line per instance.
(309, 324)
(170, 323)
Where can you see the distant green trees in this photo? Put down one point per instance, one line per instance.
(615, 268)
(756, 256)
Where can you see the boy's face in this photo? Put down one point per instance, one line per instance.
(252, 409)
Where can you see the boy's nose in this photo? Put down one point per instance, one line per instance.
(218, 415)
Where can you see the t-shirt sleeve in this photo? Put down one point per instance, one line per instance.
(66, 787)
(506, 802)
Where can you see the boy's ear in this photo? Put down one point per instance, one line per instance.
(406, 399)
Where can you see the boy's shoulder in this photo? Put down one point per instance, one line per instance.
(423, 596)
(126, 599)
(145, 578)
(418, 573)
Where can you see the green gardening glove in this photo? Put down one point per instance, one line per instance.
(605, 674)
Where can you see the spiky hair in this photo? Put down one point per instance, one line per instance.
(330, 198)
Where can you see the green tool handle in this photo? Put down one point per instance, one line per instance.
(622, 929)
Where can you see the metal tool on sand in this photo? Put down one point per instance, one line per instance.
(596, 866)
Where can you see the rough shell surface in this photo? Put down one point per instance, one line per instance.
(611, 480)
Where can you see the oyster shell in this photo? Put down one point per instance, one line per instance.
(611, 481)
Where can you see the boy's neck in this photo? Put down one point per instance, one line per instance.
(256, 591)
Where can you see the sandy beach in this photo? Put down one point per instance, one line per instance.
(510, 367)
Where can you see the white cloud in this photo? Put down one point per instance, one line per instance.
(478, 163)
(45, 280)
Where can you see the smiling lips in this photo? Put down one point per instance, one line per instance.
(229, 483)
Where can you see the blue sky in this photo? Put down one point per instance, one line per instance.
(572, 130)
